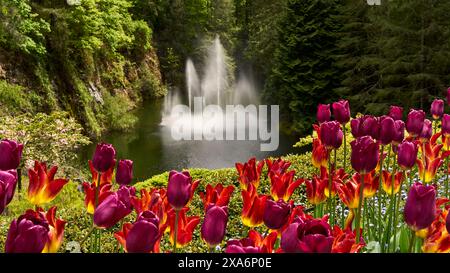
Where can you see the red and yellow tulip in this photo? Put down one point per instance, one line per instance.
(349, 192)
(56, 233)
(315, 190)
(433, 161)
(106, 177)
(154, 201)
(89, 198)
(249, 173)
(43, 187)
(345, 241)
(387, 180)
(277, 166)
(186, 226)
(437, 238)
(217, 195)
(253, 207)
(283, 185)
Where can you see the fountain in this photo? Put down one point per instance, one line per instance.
(192, 82)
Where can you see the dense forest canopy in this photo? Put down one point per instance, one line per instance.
(97, 59)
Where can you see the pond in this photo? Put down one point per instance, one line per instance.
(153, 150)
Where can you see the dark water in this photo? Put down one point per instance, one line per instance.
(153, 150)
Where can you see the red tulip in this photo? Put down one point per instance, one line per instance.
(420, 209)
(180, 189)
(124, 174)
(388, 188)
(414, 122)
(365, 154)
(448, 96)
(105, 178)
(114, 208)
(323, 113)
(89, 199)
(276, 214)
(315, 190)
(214, 225)
(253, 207)
(331, 134)
(387, 130)
(437, 108)
(396, 112)
(283, 185)
(341, 111)
(319, 154)
(433, 160)
(249, 172)
(186, 226)
(217, 195)
(56, 232)
(104, 157)
(43, 188)
(154, 201)
(349, 192)
(8, 182)
(255, 243)
(142, 236)
(278, 166)
(407, 154)
(437, 238)
(345, 241)
(10, 154)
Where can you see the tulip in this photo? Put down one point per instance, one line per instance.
(124, 173)
(28, 234)
(56, 232)
(387, 185)
(89, 199)
(142, 236)
(255, 243)
(396, 112)
(371, 183)
(399, 132)
(253, 207)
(446, 125)
(43, 187)
(365, 154)
(283, 185)
(387, 130)
(437, 239)
(345, 242)
(315, 190)
(215, 224)
(414, 122)
(104, 157)
(154, 201)
(355, 126)
(307, 236)
(407, 154)
(448, 96)
(323, 113)
(319, 154)
(437, 108)
(341, 111)
(427, 131)
(420, 209)
(217, 195)
(278, 166)
(105, 177)
(114, 208)
(185, 229)
(276, 214)
(430, 165)
(331, 134)
(10, 154)
(447, 222)
(8, 182)
(370, 127)
(180, 189)
(249, 172)
(349, 193)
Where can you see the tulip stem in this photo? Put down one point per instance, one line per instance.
(424, 161)
(175, 232)
(358, 214)
(330, 179)
(412, 241)
(446, 178)
(345, 147)
(87, 235)
(380, 225)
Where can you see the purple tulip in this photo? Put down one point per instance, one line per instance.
(407, 154)
(427, 130)
(365, 154)
(370, 127)
(448, 96)
(447, 222)
(276, 214)
(396, 112)
(8, 182)
(341, 111)
(387, 130)
(437, 108)
(27, 234)
(124, 173)
(215, 224)
(331, 134)
(414, 122)
(355, 125)
(446, 124)
(114, 208)
(241, 246)
(323, 113)
(179, 189)
(10, 154)
(144, 233)
(420, 207)
(104, 157)
(307, 236)
(399, 131)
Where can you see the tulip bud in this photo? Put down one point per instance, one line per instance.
(427, 130)
(370, 127)
(396, 112)
(420, 207)
(215, 225)
(331, 134)
(8, 181)
(399, 131)
(124, 173)
(114, 208)
(414, 122)
(104, 157)
(28, 233)
(276, 214)
(407, 154)
(10, 154)
(437, 108)
(341, 111)
(365, 154)
(179, 189)
(355, 125)
(143, 234)
(446, 124)
(387, 130)
(323, 113)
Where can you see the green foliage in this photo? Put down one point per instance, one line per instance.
(116, 111)
(14, 99)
